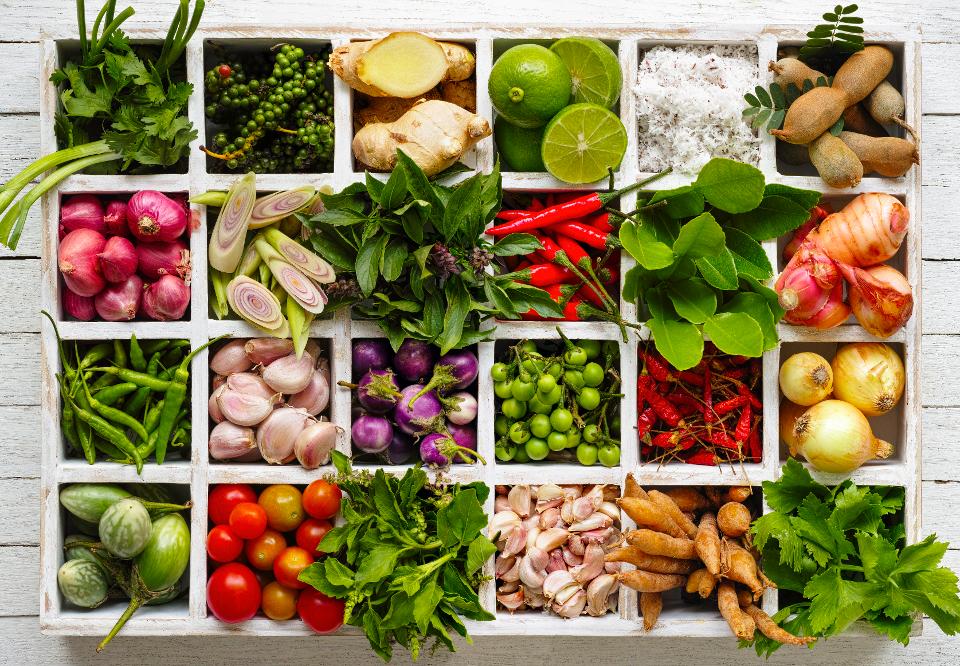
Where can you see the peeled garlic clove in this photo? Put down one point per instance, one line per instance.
(552, 538)
(315, 443)
(251, 383)
(549, 491)
(610, 509)
(213, 409)
(503, 523)
(587, 504)
(519, 498)
(549, 518)
(501, 503)
(556, 581)
(289, 374)
(315, 398)
(532, 534)
(572, 607)
(244, 409)
(504, 564)
(229, 441)
(592, 564)
(230, 358)
(566, 512)
(597, 520)
(264, 351)
(598, 594)
(533, 568)
(511, 601)
(278, 434)
(566, 594)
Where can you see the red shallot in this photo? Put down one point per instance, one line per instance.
(77, 306)
(153, 216)
(120, 301)
(806, 284)
(82, 211)
(166, 299)
(115, 218)
(164, 258)
(78, 263)
(118, 260)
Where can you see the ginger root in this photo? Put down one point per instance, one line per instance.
(402, 64)
(434, 134)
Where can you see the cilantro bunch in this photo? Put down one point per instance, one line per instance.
(408, 557)
(843, 552)
(119, 106)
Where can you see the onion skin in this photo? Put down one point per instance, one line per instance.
(881, 298)
(806, 378)
(120, 302)
(82, 211)
(789, 413)
(118, 260)
(153, 216)
(833, 313)
(231, 358)
(807, 283)
(77, 306)
(78, 262)
(870, 376)
(115, 218)
(167, 299)
(834, 436)
(229, 441)
(289, 374)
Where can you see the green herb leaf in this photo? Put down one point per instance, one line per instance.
(755, 306)
(463, 208)
(460, 521)
(735, 333)
(368, 264)
(700, 237)
(772, 218)
(513, 245)
(480, 550)
(394, 190)
(693, 299)
(682, 202)
(807, 199)
(749, 257)
(733, 187)
(644, 247)
(458, 306)
(679, 342)
(719, 271)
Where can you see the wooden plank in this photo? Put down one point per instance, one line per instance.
(940, 194)
(941, 359)
(941, 455)
(20, 92)
(21, 525)
(21, 314)
(19, 445)
(19, 584)
(941, 279)
(20, 146)
(939, 62)
(19, 365)
(941, 504)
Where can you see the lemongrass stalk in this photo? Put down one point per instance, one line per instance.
(12, 187)
(219, 282)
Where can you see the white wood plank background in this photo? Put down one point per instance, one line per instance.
(20, 640)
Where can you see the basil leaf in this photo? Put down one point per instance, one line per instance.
(462, 208)
(368, 264)
(478, 553)
(731, 186)
(460, 521)
(458, 307)
(340, 217)
(735, 333)
(512, 245)
(394, 190)
(391, 263)
(679, 342)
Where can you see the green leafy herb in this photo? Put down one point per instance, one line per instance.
(407, 559)
(701, 266)
(834, 40)
(415, 250)
(842, 551)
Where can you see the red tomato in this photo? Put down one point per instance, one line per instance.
(226, 496)
(262, 551)
(289, 564)
(233, 593)
(279, 602)
(321, 613)
(248, 520)
(223, 544)
(321, 499)
(311, 533)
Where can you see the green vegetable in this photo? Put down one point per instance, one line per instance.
(410, 555)
(88, 501)
(167, 553)
(83, 583)
(700, 266)
(842, 552)
(125, 528)
(414, 260)
(768, 109)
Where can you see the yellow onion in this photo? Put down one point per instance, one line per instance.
(834, 436)
(789, 413)
(868, 375)
(806, 378)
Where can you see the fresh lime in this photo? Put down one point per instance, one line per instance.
(594, 69)
(519, 146)
(582, 142)
(528, 85)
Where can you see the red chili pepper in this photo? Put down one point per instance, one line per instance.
(535, 205)
(655, 367)
(736, 373)
(708, 415)
(646, 450)
(608, 275)
(575, 253)
(683, 399)
(551, 199)
(686, 443)
(753, 444)
(561, 212)
(739, 360)
(742, 431)
(665, 410)
(665, 440)
(512, 214)
(747, 393)
(730, 404)
(723, 440)
(585, 234)
(523, 264)
(600, 222)
(544, 275)
(703, 457)
(689, 377)
(588, 293)
(644, 384)
(645, 421)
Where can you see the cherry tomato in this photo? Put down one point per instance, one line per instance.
(609, 455)
(321, 499)
(588, 398)
(523, 391)
(311, 533)
(499, 372)
(226, 496)
(289, 564)
(537, 449)
(321, 613)
(500, 425)
(514, 409)
(262, 551)
(223, 545)
(587, 454)
(528, 346)
(540, 425)
(233, 593)
(593, 374)
(521, 455)
(224, 71)
(519, 432)
(557, 441)
(279, 602)
(248, 520)
(561, 419)
(284, 506)
(591, 433)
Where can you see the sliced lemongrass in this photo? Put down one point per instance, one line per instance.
(255, 303)
(315, 267)
(276, 206)
(310, 297)
(226, 241)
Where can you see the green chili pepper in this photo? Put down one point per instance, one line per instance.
(136, 404)
(112, 434)
(113, 453)
(84, 435)
(179, 438)
(171, 358)
(119, 354)
(68, 425)
(173, 400)
(138, 378)
(115, 415)
(94, 355)
(111, 394)
(153, 346)
(152, 418)
(137, 360)
(68, 369)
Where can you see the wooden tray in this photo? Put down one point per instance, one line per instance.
(190, 616)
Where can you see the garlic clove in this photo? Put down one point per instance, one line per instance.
(576, 545)
(573, 607)
(550, 518)
(566, 512)
(277, 435)
(557, 581)
(231, 358)
(503, 523)
(596, 520)
(519, 498)
(513, 573)
(502, 489)
(549, 491)
(289, 374)
(501, 503)
(598, 594)
(556, 562)
(592, 564)
(533, 568)
(315, 398)
(566, 593)
(250, 383)
(504, 564)
(228, 441)
(264, 351)
(315, 443)
(610, 509)
(570, 558)
(612, 567)
(516, 542)
(552, 538)
(244, 409)
(532, 534)
(507, 588)
(606, 536)
(533, 598)
(512, 601)
(213, 409)
(588, 503)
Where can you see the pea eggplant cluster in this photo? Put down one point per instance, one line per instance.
(126, 545)
(558, 403)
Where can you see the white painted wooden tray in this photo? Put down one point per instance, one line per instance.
(190, 616)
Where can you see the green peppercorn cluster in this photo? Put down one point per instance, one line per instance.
(273, 111)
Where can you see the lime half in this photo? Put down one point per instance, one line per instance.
(582, 142)
(528, 85)
(594, 69)
(519, 147)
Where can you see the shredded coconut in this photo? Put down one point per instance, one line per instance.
(689, 104)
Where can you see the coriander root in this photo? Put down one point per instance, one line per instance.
(670, 508)
(647, 514)
(770, 629)
(733, 519)
(688, 499)
(888, 156)
(741, 624)
(646, 581)
(837, 164)
(655, 543)
(655, 563)
(651, 603)
(434, 134)
(739, 565)
(701, 582)
(707, 543)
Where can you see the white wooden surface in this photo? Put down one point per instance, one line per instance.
(20, 641)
